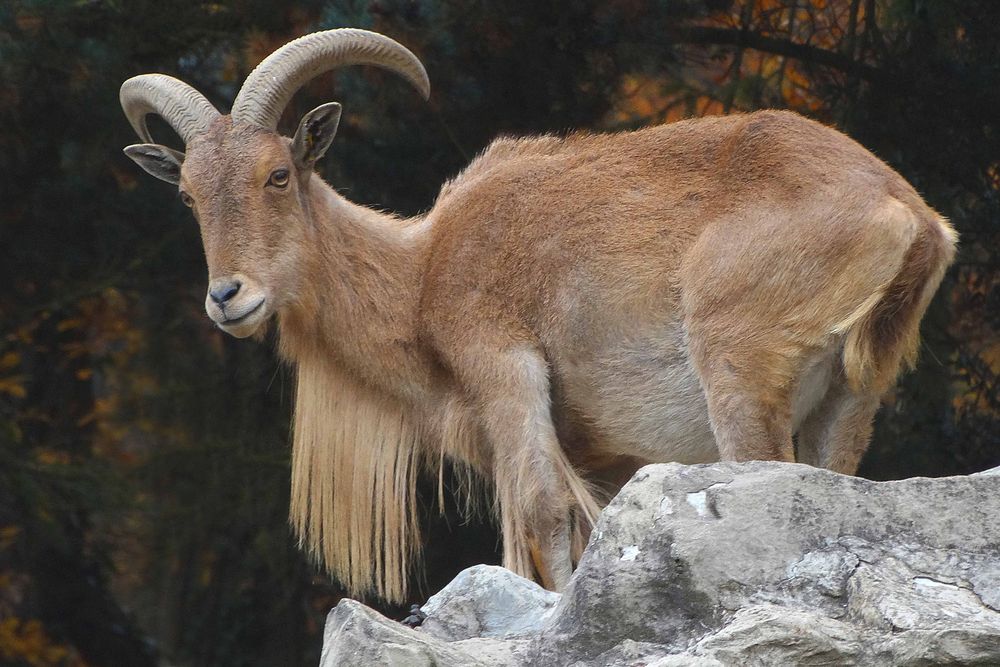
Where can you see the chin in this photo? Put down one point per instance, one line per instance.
(240, 330)
(246, 329)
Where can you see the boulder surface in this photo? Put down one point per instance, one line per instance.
(731, 564)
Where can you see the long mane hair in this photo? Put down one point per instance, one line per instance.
(356, 458)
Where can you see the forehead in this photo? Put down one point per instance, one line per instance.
(229, 151)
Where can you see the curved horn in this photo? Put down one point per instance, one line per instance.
(183, 107)
(268, 89)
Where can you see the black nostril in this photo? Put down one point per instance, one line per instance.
(224, 291)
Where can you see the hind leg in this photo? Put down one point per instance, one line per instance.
(836, 433)
(748, 391)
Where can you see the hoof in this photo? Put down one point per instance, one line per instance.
(415, 618)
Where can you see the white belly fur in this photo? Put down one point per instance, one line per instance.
(643, 398)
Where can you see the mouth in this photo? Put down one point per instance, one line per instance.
(233, 321)
(238, 305)
(246, 322)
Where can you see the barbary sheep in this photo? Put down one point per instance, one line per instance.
(569, 308)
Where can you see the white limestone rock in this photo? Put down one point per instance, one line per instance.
(488, 601)
(732, 564)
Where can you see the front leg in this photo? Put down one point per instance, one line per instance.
(539, 495)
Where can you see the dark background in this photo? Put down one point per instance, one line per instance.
(144, 454)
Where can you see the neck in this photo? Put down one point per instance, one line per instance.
(370, 409)
(358, 441)
(357, 305)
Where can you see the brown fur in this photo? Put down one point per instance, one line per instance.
(569, 309)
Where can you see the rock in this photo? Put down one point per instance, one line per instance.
(356, 636)
(732, 564)
(488, 601)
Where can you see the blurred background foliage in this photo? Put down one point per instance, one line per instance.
(144, 455)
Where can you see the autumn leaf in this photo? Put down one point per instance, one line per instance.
(9, 360)
(8, 535)
(13, 386)
(69, 323)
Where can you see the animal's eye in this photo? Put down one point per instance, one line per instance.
(186, 198)
(279, 178)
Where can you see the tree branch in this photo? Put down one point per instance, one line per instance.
(754, 40)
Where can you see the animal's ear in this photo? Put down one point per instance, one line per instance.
(160, 161)
(316, 131)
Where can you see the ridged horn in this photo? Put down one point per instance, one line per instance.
(271, 85)
(184, 108)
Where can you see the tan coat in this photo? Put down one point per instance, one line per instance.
(569, 309)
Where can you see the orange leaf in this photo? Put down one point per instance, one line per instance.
(9, 360)
(13, 386)
(69, 323)
(8, 534)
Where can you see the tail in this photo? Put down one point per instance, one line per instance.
(587, 504)
(883, 334)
